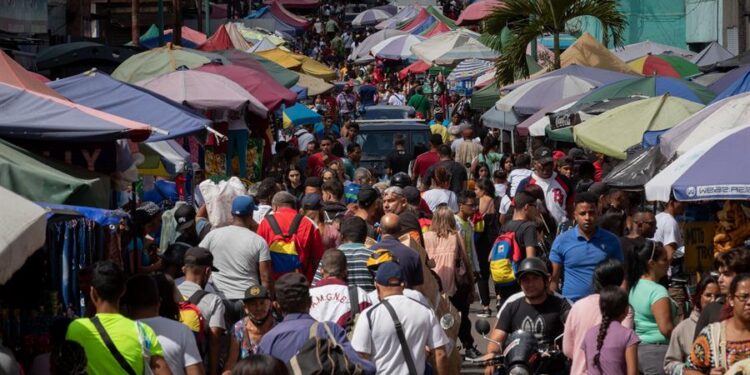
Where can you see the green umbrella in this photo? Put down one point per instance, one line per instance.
(650, 86)
(282, 75)
(156, 62)
(614, 131)
(485, 98)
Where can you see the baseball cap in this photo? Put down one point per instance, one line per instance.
(557, 155)
(389, 274)
(199, 256)
(367, 195)
(184, 216)
(291, 287)
(243, 205)
(543, 155)
(311, 201)
(256, 292)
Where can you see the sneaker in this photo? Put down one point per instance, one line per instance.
(472, 353)
(486, 313)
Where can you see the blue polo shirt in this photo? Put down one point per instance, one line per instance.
(285, 339)
(579, 258)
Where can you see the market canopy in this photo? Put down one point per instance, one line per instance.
(189, 38)
(723, 115)
(537, 123)
(281, 57)
(586, 51)
(315, 86)
(477, 11)
(535, 95)
(740, 85)
(371, 17)
(470, 69)
(23, 231)
(41, 179)
(665, 65)
(204, 91)
(452, 47)
(615, 131)
(739, 60)
(636, 50)
(26, 114)
(264, 45)
(708, 171)
(285, 77)
(505, 120)
(650, 86)
(406, 13)
(396, 47)
(711, 55)
(601, 76)
(163, 159)
(14, 74)
(156, 62)
(102, 92)
(362, 52)
(218, 41)
(299, 114)
(728, 79)
(261, 85)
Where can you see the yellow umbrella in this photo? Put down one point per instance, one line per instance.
(156, 62)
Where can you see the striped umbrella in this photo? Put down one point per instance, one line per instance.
(371, 17)
(665, 65)
(703, 172)
(397, 47)
(469, 69)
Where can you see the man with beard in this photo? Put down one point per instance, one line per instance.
(394, 202)
(580, 249)
(558, 191)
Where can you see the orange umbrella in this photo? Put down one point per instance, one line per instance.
(14, 74)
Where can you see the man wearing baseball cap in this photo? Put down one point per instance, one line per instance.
(376, 335)
(285, 339)
(185, 217)
(241, 255)
(558, 189)
(258, 321)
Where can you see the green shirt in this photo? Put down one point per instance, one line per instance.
(126, 337)
(467, 235)
(420, 104)
(642, 296)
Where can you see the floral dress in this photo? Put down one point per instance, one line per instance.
(703, 356)
(247, 345)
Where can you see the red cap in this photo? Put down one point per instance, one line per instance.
(557, 155)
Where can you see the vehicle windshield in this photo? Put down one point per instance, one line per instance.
(376, 145)
(386, 113)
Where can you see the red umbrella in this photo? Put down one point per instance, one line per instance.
(261, 85)
(418, 67)
(477, 11)
(217, 42)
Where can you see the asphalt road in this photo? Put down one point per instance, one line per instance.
(480, 342)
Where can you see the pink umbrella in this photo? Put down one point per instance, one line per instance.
(263, 86)
(477, 11)
(204, 91)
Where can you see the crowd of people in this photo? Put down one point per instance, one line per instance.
(327, 265)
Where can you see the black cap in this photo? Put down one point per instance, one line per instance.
(367, 195)
(543, 155)
(412, 195)
(199, 256)
(313, 182)
(184, 216)
(256, 292)
(291, 287)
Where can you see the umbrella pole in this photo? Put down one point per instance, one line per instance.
(512, 142)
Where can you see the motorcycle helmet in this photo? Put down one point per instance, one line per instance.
(534, 265)
(401, 180)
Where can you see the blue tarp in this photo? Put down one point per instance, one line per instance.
(740, 85)
(300, 91)
(102, 92)
(100, 216)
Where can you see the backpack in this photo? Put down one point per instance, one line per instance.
(322, 355)
(504, 258)
(284, 254)
(191, 316)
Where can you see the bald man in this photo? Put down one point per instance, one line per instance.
(394, 202)
(411, 265)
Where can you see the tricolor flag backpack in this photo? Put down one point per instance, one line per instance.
(504, 258)
(284, 254)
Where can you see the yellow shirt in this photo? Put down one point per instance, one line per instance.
(440, 129)
(129, 338)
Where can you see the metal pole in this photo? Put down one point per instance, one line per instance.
(207, 15)
(161, 22)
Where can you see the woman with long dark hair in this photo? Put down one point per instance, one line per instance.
(293, 181)
(486, 230)
(610, 348)
(682, 336)
(653, 310)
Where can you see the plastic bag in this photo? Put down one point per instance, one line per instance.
(219, 197)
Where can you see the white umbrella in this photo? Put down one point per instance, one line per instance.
(397, 47)
(435, 48)
(541, 92)
(23, 230)
(371, 17)
(362, 52)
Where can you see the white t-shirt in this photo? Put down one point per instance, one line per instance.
(505, 204)
(375, 333)
(330, 302)
(667, 230)
(261, 212)
(237, 253)
(555, 197)
(515, 177)
(396, 99)
(177, 341)
(411, 293)
(434, 197)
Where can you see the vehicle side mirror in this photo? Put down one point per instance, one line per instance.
(482, 326)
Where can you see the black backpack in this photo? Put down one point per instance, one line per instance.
(322, 355)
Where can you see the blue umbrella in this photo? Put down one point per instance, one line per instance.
(299, 114)
(740, 85)
(100, 91)
(728, 79)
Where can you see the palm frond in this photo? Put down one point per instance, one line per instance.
(512, 62)
(606, 11)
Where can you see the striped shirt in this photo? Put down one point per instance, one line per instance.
(356, 264)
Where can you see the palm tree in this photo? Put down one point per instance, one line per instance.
(527, 19)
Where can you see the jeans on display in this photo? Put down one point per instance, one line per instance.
(237, 143)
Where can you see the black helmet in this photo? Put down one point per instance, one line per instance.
(401, 180)
(535, 265)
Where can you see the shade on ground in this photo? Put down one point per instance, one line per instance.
(614, 131)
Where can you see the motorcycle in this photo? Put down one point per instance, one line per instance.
(522, 354)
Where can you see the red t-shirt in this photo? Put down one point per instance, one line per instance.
(423, 162)
(307, 240)
(316, 163)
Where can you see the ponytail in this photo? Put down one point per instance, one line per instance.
(613, 303)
